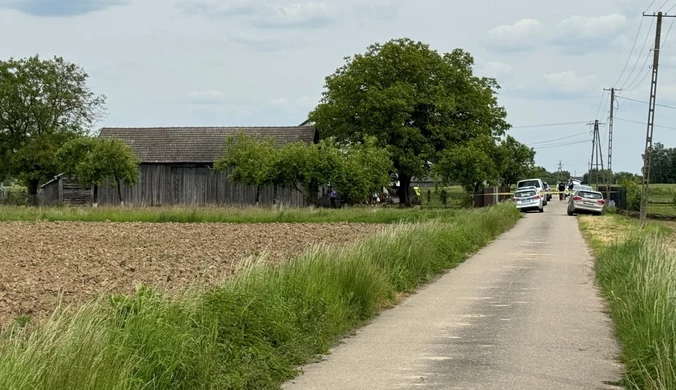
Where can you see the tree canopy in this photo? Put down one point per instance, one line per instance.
(92, 161)
(43, 105)
(355, 171)
(416, 102)
(514, 160)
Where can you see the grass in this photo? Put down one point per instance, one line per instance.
(223, 214)
(252, 331)
(637, 273)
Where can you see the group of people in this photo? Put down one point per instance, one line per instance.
(565, 188)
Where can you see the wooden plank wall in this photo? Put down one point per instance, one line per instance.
(73, 194)
(191, 184)
(67, 192)
(51, 194)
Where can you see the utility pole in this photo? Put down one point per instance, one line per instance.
(609, 173)
(596, 162)
(647, 156)
(558, 176)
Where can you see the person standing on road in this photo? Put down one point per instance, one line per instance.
(562, 188)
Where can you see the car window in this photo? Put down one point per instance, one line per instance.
(529, 183)
(590, 195)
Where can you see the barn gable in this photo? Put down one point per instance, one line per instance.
(197, 144)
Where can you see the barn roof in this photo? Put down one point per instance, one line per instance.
(196, 144)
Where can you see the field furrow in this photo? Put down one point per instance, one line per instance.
(40, 262)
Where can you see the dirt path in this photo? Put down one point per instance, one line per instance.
(522, 314)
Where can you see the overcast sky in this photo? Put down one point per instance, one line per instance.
(263, 62)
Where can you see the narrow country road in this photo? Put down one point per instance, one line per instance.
(523, 313)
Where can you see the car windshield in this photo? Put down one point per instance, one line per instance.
(529, 183)
(590, 195)
(525, 194)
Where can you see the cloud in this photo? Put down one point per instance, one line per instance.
(557, 86)
(385, 11)
(524, 35)
(267, 43)
(297, 15)
(220, 8)
(583, 34)
(495, 69)
(265, 14)
(56, 8)
(206, 97)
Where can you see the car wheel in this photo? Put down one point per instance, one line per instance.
(569, 212)
(542, 209)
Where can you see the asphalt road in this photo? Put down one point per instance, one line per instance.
(523, 313)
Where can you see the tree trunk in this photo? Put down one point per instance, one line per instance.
(33, 192)
(311, 193)
(95, 196)
(258, 194)
(274, 195)
(402, 191)
(119, 191)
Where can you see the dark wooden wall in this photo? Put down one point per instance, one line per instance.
(191, 184)
(67, 192)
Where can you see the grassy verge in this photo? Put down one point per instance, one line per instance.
(222, 214)
(252, 331)
(636, 270)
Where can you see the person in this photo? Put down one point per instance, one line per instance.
(332, 197)
(562, 188)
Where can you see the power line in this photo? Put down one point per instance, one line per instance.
(668, 31)
(641, 123)
(558, 139)
(562, 144)
(549, 124)
(638, 32)
(645, 41)
(634, 84)
(644, 102)
(651, 4)
(602, 103)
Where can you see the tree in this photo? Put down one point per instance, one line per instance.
(413, 100)
(356, 171)
(253, 162)
(513, 160)
(470, 165)
(43, 105)
(92, 161)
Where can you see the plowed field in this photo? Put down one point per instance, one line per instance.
(39, 261)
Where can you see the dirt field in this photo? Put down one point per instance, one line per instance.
(39, 261)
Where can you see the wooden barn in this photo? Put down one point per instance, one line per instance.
(177, 166)
(62, 190)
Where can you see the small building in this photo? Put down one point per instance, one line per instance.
(177, 166)
(62, 190)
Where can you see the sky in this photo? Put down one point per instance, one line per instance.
(263, 62)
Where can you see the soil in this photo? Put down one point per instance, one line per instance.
(80, 260)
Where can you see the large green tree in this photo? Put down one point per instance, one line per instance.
(43, 105)
(513, 160)
(415, 101)
(92, 161)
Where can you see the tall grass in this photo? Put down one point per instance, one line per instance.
(638, 277)
(252, 331)
(222, 214)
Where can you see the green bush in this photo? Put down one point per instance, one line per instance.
(252, 331)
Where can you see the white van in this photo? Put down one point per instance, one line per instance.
(537, 183)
